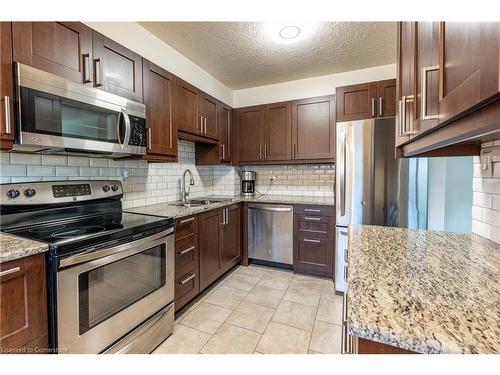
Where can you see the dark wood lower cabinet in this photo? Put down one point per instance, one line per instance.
(364, 346)
(314, 235)
(23, 306)
(210, 247)
(231, 237)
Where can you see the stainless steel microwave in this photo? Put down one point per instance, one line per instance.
(55, 115)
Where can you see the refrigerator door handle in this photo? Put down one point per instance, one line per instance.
(342, 172)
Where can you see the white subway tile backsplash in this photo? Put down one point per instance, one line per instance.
(39, 171)
(78, 161)
(67, 171)
(54, 160)
(486, 195)
(21, 158)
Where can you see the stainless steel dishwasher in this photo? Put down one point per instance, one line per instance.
(270, 233)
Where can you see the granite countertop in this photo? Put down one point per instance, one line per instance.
(13, 247)
(425, 291)
(167, 209)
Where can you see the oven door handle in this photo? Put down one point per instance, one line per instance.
(126, 248)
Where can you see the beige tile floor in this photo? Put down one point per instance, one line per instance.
(260, 310)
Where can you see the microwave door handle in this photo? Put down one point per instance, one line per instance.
(127, 128)
(120, 114)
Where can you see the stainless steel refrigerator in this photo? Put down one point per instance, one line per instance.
(373, 186)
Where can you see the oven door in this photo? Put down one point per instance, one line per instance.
(103, 298)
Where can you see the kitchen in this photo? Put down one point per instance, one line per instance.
(292, 208)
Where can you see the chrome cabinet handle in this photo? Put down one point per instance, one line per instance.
(201, 124)
(425, 70)
(187, 279)
(265, 152)
(312, 218)
(185, 251)
(205, 124)
(313, 241)
(223, 152)
(373, 107)
(10, 271)
(86, 68)
(311, 210)
(260, 152)
(380, 106)
(185, 221)
(149, 139)
(409, 99)
(8, 129)
(98, 73)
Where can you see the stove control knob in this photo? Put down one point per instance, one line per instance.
(105, 188)
(29, 192)
(13, 193)
(114, 187)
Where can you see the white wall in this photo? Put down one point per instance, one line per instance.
(138, 39)
(310, 87)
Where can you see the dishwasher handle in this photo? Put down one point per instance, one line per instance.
(271, 208)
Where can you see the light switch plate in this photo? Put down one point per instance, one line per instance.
(486, 164)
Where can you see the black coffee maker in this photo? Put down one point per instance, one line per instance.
(248, 184)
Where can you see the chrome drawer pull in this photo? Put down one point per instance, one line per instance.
(186, 250)
(312, 218)
(8, 272)
(186, 220)
(313, 241)
(188, 279)
(311, 210)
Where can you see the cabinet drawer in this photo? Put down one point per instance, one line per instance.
(186, 226)
(311, 210)
(314, 226)
(186, 254)
(187, 286)
(313, 256)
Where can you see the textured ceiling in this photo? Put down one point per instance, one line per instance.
(241, 55)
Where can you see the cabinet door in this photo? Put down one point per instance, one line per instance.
(313, 128)
(61, 48)
(116, 69)
(386, 98)
(224, 128)
(278, 132)
(405, 82)
(187, 109)
(6, 87)
(159, 97)
(469, 66)
(251, 122)
(208, 111)
(356, 102)
(210, 247)
(231, 237)
(23, 303)
(426, 75)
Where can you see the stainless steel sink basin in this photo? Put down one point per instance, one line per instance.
(200, 202)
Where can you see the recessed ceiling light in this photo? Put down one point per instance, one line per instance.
(288, 33)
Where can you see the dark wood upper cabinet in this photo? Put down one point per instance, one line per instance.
(208, 114)
(426, 75)
(6, 87)
(210, 247)
(187, 99)
(313, 128)
(61, 48)
(116, 69)
(159, 97)
(356, 102)
(386, 98)
(231, 236)
(469, 67)
(251, 122)
(23, 304)
(277, 144)
(405, 82)
(224, 124)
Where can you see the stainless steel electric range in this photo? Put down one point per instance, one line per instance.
(110, 274)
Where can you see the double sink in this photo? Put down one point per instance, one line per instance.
(200, 202)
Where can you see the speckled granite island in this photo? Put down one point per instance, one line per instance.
(168, 209)
(424, 291)
(13, 247)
